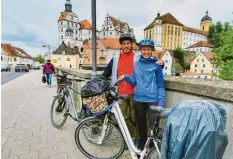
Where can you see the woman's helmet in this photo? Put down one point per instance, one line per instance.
(147, 42)
(125, 36)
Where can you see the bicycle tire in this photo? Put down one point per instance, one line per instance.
(58, 126)
(78, 139)
(153, 154)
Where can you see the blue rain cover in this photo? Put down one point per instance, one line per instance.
(195, 129)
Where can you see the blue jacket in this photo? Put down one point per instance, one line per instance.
(148, 82)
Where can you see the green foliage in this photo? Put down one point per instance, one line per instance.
(227, 71)
(40, 58)
(179, 54)
(222, 38)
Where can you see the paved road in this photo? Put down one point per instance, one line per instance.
(8, 76)
(26, 130)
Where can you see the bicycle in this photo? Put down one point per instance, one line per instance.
(119, 135)
(66, 103)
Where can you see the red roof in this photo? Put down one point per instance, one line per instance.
(193, 30)
(188, 73)
(85, 24)
(201, 44)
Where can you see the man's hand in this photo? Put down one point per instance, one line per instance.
(160, 62)
(121, 78)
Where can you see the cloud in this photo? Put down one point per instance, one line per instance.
(30, 24)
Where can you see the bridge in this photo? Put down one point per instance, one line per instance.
(27, 132)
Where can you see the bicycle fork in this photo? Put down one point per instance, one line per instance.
(103, 131)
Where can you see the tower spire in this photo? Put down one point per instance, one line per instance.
(68, 6)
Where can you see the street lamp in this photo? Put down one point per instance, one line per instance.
(49, 50)
(94, 67)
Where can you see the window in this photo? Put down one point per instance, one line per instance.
(68, 59)
(61, 23)
(15, 59)
(88, 60)
(68, 23)
(76, 32)
(203, 65)
(202, 60)
(76, 38)
(203, 28)
(1, 58)
(102, 60)
(72, 18)
(195, 71)
(61, 29)
(197, 60)
(201, 71)
(165, 68)
(89, 32)
(72, 24)
(76, 25)
(195, 65)
(104, 33)
(101, 52)
(166, 61)
(61, 36)
(165, 74)
(212, 71)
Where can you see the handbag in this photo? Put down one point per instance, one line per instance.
(44, 79)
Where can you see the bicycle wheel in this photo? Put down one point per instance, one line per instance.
(153, 154)
(57, 113)
(87, 134)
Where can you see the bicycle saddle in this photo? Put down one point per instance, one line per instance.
(164, 113)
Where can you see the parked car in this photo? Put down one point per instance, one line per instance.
(21, 68)
(5, 67)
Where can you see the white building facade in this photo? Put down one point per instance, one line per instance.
(192, 36)
(167, 58)
(70, 28)
(113, 28)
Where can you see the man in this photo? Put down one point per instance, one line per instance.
(48, 70)
(119, 65)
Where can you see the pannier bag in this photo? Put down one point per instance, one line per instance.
(96, 103)
(94, 94)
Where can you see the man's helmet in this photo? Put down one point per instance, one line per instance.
(125, 36)
(147, 42)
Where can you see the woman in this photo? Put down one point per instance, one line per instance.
(148, 82)
(49, 70)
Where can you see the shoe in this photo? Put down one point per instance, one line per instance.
(49, 86)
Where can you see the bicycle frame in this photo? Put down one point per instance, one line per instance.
(70, 101)
(125, 132)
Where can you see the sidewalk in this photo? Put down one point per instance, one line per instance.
(27, 132)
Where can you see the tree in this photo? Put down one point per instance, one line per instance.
(40, 58)
(227, 71)
(224, 53)
(179, 54)
(219, 27)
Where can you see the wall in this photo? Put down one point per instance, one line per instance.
(179, 89)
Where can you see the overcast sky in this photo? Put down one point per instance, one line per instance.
(29, 24)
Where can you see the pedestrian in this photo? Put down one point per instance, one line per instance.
(48, 70)
(120, 64)
(147, 80)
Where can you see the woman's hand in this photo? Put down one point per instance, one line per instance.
(160, 62)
